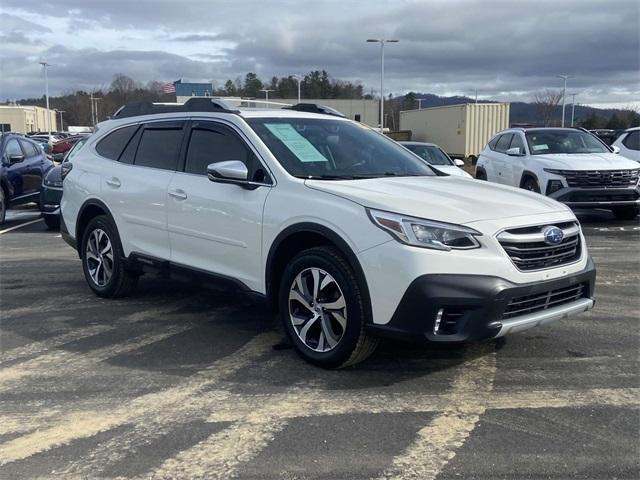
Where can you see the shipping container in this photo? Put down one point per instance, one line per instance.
(461, 130)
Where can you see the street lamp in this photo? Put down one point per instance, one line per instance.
(381, 41)
(573, 105)
(299, 79)
(61, 112)
(46, 93)
(266, 93)
(564, 93)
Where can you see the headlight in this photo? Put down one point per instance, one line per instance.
(425, 233)
(53, 183)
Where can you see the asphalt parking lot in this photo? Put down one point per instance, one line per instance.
(181, 382)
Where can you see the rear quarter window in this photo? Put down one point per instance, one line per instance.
(632, 141)
(114, 143)
(493, 141)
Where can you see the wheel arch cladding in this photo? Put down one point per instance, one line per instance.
(90, 209)
(302, 236)
(528, 174)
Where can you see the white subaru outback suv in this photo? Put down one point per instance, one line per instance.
(349, 235)
(570, 165)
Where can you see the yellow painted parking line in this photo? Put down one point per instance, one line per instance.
(15, 227)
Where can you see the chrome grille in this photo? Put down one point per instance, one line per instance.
(528, 250)
(542, 301)
(599, 178)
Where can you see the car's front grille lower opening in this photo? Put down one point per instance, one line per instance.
(536, 302)
(529, 251)
(600, 178)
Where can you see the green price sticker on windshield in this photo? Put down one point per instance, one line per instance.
(296, 143)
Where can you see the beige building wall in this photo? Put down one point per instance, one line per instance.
(27, 119)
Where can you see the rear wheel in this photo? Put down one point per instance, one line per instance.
(531, 184)
(322, 309)
(102, 260)
(3, 206)
(626, 213)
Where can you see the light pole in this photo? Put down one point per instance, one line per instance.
(266, 93)
(46, 93)
(61, 112)
(94, 109)
(299, 79)
(420, 103)
(573, 106)
(381, 41)
(564, 94)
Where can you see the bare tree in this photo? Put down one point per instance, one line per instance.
(546, 103)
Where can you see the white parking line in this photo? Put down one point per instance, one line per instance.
(15, 227)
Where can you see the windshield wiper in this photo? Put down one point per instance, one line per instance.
(325, 177)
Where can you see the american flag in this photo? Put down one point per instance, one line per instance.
(169, 88)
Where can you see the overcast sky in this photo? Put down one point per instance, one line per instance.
(506, 49)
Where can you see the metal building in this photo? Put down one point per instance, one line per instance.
(461, 130)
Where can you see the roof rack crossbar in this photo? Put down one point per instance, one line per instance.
(135, 109)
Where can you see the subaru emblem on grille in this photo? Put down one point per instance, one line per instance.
(552, 235)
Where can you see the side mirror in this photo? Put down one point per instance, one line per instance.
(615, 149)
(15, 159)
(514, 152)
(458, 163)
(231, 171)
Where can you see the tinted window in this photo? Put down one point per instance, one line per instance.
(129, 152)
(112, 145)
(29, 148)
(159, 147)
(493, 141)
(632, 141)
(503, 142)
(215, 143)
(12, 148)
(516, 141)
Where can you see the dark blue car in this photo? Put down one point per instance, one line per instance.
(24, 165)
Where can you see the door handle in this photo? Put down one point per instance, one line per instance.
(113, 182)
(178, 194)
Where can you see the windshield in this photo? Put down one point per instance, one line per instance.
(335, 149)
(563, 141)
(431, 154)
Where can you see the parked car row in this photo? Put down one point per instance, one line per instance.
(350, 236)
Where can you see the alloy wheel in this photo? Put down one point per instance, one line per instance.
(99, 253)
(317, 309)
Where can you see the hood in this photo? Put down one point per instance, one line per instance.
(447, 199)
(590, 161)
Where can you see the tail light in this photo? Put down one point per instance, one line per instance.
(65, 168)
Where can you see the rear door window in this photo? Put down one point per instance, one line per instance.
(29, 149)
(160, 145)
(493, 141)
(114, 143)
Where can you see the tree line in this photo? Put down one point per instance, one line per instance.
(123, 89)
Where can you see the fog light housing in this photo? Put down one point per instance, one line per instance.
(436, 325)
(553, 186)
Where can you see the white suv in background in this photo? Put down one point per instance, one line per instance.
(566, 164)
(349, 236)
(629, 144)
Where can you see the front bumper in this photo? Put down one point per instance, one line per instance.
(597, 197)
(455, 308)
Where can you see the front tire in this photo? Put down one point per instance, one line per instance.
(52, 222)
(3, 206)
(625, 213)
(102, 260)
(322, 309)
(531, 184)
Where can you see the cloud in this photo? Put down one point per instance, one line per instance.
(506, 50)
